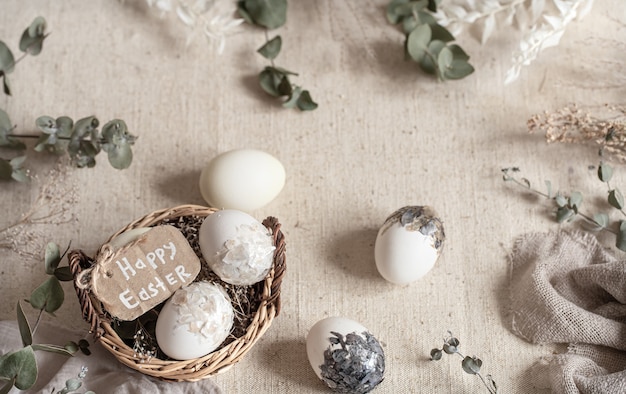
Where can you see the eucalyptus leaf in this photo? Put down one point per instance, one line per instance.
(458, 69)
(602, 219)
(6, 86)
(616, 199)
(605, 172)
(436, 354)
(305, 102)
(285, 88)
(398, 9)
(471, 365)
(440, 33)
(267, 13)
(48, 296)
(25, 331)
(121, 157)
(7, 60)
(5, 170)
(620, 241)
(560, 200)
(52, 257)
(409, 23)
(63, 274)
(293, 98)
(564, 214)
(269, 79)
(444, 60)
(84, 127)
(427, 18)
(47, 124)
(459, 53)
(417, 42)
(117, 143)
(427, 64)
(71, 347)
(20, 175)
(73, 384)
(271, 49)
(52, 349)
(20, 366)
(549, 189)
(575, 199)
(6, 141)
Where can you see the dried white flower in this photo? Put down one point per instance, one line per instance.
(215, 18)
(542, 22)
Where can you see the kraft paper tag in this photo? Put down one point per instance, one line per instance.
(137, 278)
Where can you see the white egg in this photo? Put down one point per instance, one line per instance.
(344, 355)
(236, 246)
(243, 179)
(194, 321)
(408, 244)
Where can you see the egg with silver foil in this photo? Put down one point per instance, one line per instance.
(408, 244)
(345, 355)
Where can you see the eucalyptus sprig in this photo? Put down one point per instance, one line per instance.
(470, 365)
(568, 207)
(82, 140)
(427, 42)
(19, 368)
(31, 43)
(275, 80)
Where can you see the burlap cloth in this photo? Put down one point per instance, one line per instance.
(566, 288)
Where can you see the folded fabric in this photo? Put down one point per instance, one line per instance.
(566, 288)
(104, 373)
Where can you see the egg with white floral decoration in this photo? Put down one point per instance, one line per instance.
(236, 246)
(408, 244)
(194, 321)
(345, 355)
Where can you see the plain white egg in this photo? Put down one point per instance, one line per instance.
(236, 246)
(194, 321)
(345, 355)
(408, 244)
(243, 179)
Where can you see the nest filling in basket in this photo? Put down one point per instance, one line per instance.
(133, 342)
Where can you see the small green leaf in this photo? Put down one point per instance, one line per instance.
(458, 69)
(436, 354)
(20, 366)
(601, 219)
(25, 331)
(51, 349)
(6, 86)
(620, 241)
(285, 88)
(605, 172)
(305, 102)
(417, 42)
(5, 170)
(616, 199)
(271, 49)
(426, 18)
(64, 274)
(441, 33)
(48, 296)
(575, 200)
(398, 9)
(434, 47)
(120, 158)
(267, 13)
(471, 365)
(444, 60)
(564, 214)
(7, 61)
(33, 37)
(409, 23)
(270, 79)
(71, 347)
(85, 126)
(560, 200)
(52, 257)
(73, 384)
(293, 98)
(459, 53)
(20, 175)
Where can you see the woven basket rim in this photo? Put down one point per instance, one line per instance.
(187, 370)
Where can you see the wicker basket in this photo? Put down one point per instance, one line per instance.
(189, 370)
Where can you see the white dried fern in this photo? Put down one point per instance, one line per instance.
(542, 22)
(213, 17)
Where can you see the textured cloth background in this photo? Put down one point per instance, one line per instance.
(385, 135)
(565, 288)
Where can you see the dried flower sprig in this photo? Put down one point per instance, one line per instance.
(274, 80)
(19, 368)
(427, 42)
(542, 22)
(605, 127)
(470, 365)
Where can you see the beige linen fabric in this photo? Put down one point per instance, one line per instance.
(566, 288)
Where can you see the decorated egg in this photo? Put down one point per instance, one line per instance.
(243, 179)
(236, 246)
(408, 244)
(345, 356)
(194, 321)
